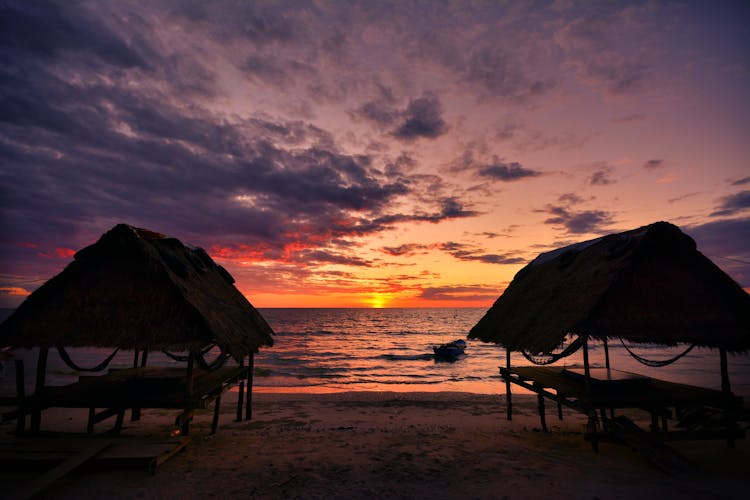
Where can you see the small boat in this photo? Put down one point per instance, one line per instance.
(450, 351)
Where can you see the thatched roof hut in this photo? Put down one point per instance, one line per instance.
(137, 289)
(648, 285)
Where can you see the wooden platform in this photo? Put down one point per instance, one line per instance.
(43, 452)
(148, 387)
(618, 390)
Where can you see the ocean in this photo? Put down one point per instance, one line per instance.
(332, 350)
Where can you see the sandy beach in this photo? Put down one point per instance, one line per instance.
(394, 445)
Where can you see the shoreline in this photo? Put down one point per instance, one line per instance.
(388, 444)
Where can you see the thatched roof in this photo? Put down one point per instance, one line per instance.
(135, 288)
(647, 285)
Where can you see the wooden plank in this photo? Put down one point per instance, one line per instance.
(45, 481)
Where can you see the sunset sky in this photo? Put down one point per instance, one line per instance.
(370, 154)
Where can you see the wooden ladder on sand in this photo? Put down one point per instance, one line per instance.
(44, 481)
(648, 445)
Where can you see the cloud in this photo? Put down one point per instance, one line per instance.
(421, 119)
(406, 250)
(462, 293)
(507, 172)
(468, 253)
(577, 222)
(653, 164)
(741, 182)
(601, 177)
(733, 204)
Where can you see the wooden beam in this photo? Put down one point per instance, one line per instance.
(250, 374)
(508, 397)
(725, 386)
(215, 421)
(144, 357)
(241, 394)
(586, 367)
(190, 375)
(606, 355)
(540, 407)
(41, 376)
(135, 358)
(21, 396)
(91, 422)
(726, 389)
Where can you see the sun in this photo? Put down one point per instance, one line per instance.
(378, 301)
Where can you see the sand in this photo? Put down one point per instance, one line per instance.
(395, 445)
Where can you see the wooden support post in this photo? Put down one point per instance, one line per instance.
(586, 368)
(241, 394)
(250, 374)
(591, 428)
(91, 421)
(606, 355)
(189, 381)
(540, 407)
(41, 375)
(654, 422)
(135, 413)
(559, 408)
(508, 396)
(215, 421)
(726, 388)
(21, 397)
(118, 422)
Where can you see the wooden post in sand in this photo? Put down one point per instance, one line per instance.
(21, 396)
(606, 363)
(250, 369)
(727, 390)
(41, 375)
(508, 397)
(241, 394)
(540, 407)
(189, 381)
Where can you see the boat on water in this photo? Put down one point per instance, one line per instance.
(450, 351)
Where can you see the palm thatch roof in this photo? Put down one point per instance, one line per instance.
(137, 289)
(648, 285)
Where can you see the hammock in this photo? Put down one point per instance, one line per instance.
(655, 363)
(551, 358)
(216, 363)
(101, 366)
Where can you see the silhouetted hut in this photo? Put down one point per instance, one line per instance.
(649, 285)
(139, 290)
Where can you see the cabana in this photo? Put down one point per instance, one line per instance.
(649, 285)
(138, 290)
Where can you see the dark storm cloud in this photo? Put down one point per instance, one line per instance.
(95, 129)
(422, 118)
(733, 204)
(507, 172)
(741, 182)
(48, 29)
(653, 164)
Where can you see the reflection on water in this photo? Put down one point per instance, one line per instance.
(327, 350)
